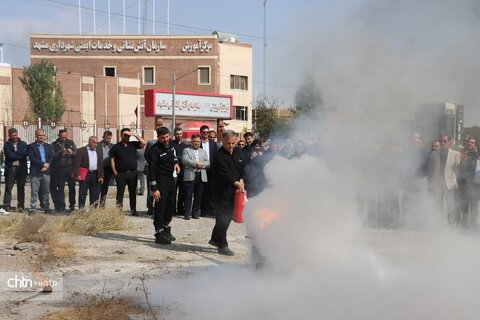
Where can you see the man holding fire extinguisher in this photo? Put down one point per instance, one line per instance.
(228, 175)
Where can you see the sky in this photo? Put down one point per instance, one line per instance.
(377, 54)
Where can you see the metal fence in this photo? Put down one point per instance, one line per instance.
(79, 135)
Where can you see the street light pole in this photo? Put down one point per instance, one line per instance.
(174, 86)
(174, 81)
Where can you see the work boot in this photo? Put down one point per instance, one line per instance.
(226, 251)
(162, 238)
(169, 234)
(214, 243)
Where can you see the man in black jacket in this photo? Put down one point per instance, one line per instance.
(179, 146)
(15, 151)
(104, 148)
(210, 147)
(123, 161)
(468, 186)
(62, 171)
(228, 175)
(162, 165)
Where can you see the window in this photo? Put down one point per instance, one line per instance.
(238, 82)
(148, 75)
(109, 71)
(241, 113)
(203, 75)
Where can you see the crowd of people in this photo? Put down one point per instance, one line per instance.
(194, 179)
(419, 184)
(198, 178)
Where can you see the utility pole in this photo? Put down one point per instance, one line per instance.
(123, 17)
(174, 82)
(264, 44)
(94, 18)
(109, 23)
(79, 16)
(168, 17)
(144, 17)
(153, 14)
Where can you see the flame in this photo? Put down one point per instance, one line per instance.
(42, 281)
(264, 217)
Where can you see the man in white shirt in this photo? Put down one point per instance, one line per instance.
(195, 161)
(89, 172)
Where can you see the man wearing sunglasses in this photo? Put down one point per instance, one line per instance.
(123, 160)
(210, 147)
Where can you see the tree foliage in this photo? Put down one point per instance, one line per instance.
(268, 123)
(46, 96)
(308, 99)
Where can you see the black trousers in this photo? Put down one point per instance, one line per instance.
(89, 186)
(179, 193)
(223, 217)
(194, 188)
(127, 179)
(207, 207)
(57, 188)
(165, 207)
(107, 176)
(15, 174)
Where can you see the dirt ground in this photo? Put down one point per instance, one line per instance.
(112, 263)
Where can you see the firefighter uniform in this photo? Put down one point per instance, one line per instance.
(161, 162)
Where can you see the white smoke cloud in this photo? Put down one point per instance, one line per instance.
(321, 263)
(321, 258)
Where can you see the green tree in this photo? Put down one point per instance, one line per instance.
(308, 99)
(267, 121)
(46, 96)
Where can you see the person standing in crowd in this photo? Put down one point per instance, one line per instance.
(228, 175)
(179, 146)
(468, 187)
(90, 160)
(212, 135)
(195, 161)
(103, 148)
(141, 171)
(62, 171)
(123, 160)
(210, 147)
(40, 154)
(241, 144)
(435, 145)
(220, 130)
(412, 168)
(248, 136)
(442, 172)
(255, 168)
(15, 151)
(150, 143)
(162, 165)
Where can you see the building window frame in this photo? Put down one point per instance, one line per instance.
(238, 82)
(199, 75)
(153, 75)
(110, 67)
(240, 113)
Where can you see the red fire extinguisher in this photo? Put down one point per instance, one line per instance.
(238, 205)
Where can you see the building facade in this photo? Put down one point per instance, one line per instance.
(104, 77)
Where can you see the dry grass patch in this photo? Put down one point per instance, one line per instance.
(97, 308)
(40, 229)
(95, 220)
